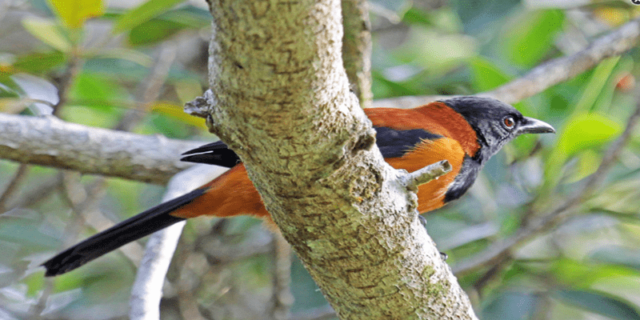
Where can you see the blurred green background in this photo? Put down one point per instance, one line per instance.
(131, 65)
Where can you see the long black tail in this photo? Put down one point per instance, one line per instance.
(124, 232)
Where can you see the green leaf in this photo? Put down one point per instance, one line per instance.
(97, 91)
(532, 36)
(48, 32)
(598, 303)
(167, 24)
(34, 282)
(143, 13)
(153, 31)
(416, 16)
(621, 198)
(39, 62)
(74, 13)
(580, 133)
(486, 75)
(586, 131)
(582, 275)
(436, 52)
(511, 305)
(588, 163)
(617, 255)
(596, 84)
(126, 54)
(385, 87)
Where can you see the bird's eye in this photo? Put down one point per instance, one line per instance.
(508, 122)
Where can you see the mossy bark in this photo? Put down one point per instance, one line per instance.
(280, 98)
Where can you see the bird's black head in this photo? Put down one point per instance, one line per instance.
(494, 122)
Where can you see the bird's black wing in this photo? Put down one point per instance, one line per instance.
(216, 153)
(395, 143)
(391, 142)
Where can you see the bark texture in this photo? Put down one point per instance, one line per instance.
(51, 142)
(280, 98)
(356, 48)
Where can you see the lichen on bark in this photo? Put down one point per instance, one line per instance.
(280, 98)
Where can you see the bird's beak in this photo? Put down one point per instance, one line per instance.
(531, 125)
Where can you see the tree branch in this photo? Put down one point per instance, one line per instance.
(281, 100)
(51, 142)
(562, 69)
(501, 250)
(426, 174)
(281, 298)
(356, 48)
(547, 74)
(12, 186)
(150, 88)
(147, 289)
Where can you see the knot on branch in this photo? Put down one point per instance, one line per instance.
(365, 141)
(200, 106)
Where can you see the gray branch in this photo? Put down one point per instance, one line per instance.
(147, 288)
(547, 74)
(356, 48)
(51, 142)
(426, 174)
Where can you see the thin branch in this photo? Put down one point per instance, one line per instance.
(281, 296)
(426, 174)
(500, 250)
(547, 74)
(356, 48)
(51, 142)
(67, 79)
(151, 87)
(12, 186)
(562, 69)
(147, 289)
(40, 192)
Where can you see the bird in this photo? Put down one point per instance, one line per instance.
(466, 131)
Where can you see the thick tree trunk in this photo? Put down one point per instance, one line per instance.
(281, 100)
